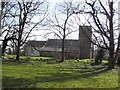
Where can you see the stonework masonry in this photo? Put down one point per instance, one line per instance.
(85, 34)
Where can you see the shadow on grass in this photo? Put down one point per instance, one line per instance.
(12, 62)
(26, 61)
(12, 82)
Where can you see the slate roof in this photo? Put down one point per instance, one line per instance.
(56, 44)
(36, 43)
(70, 44)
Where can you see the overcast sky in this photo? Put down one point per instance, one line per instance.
(52, 4)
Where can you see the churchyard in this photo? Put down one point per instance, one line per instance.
(45, 72)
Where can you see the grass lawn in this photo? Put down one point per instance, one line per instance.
(49, 74)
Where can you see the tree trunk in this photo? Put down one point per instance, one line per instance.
(63, 53)
(118, 59)
(18, 54)
(4, 46)
(117, 54)
(111, 61)
(111, 39)
(18, 49)
(5, 41)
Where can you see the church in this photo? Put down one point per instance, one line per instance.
(74, 49)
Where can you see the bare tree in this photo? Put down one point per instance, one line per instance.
(102, 15)
(6, 24)
(27, 10)
(24, 18)
(61, 23)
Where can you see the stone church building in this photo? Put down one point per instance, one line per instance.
(74, 49)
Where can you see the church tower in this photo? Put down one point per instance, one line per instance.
(85, 35)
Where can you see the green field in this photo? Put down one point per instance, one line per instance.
(47, 73)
